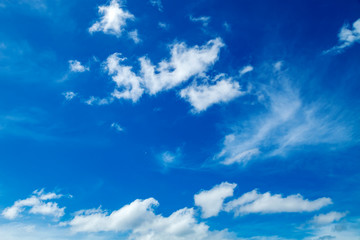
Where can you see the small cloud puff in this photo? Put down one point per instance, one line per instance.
(113, 19)
(76, 66)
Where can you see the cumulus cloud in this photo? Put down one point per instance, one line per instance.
(254, 202)
(328, 218)
(157, 4)
(285, 123)
(203, 96)
(69, 95)
(38, 203)
(185, 63)
(127, 82)
(76, 66)
(347, 37)
(211, 201)
(138, 218)
(113, 19)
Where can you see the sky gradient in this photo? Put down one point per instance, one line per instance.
(177, 120)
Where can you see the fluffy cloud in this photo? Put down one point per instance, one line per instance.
(76, 66)
(328, 218)
(185, 63)
(254, 202)
(285, 123)
(347, 37)
(37, 204)
(203, 96)
(113, 19)
(138, 218)
(127, 82)
(211, 201)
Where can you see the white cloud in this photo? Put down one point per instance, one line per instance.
(347, 37)
(117, 127)
(170, 158)
(328, 218)
(113, 19)
(285, 123)
(163, 25)
(98, 101)
(184, 63)
(76, 66)
(37, 205)
(246, 69)
(69, 95)
(241, 157)
(204, 20)
(335, 231)
(211, 201)
(134, 35)
(254, 202)
(140, 221)
(203, 96)
(158, 4)
(127, 82)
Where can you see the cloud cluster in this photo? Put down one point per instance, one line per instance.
(184, 64)
(38, 203)
(139, 219)
(113, 19)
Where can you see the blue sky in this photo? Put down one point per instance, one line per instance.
(156, 119)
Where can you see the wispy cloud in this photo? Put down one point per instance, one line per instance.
(287, 122)
(134, 35)
(113, 19)
(204, 20)
(158, 4)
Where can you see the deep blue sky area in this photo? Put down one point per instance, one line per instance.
(174, 120)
